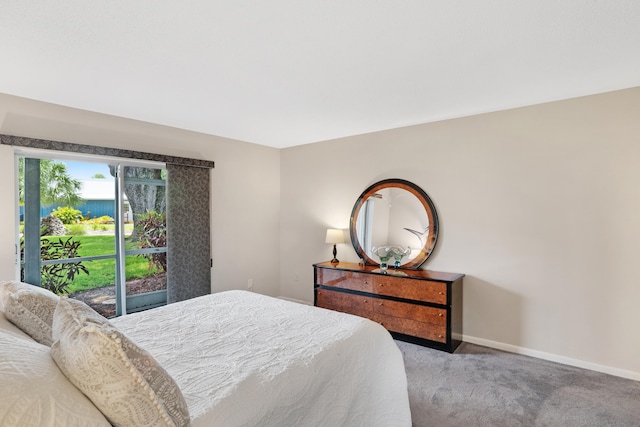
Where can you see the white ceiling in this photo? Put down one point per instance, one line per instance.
(290, 72)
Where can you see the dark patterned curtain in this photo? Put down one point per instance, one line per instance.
(188, 233)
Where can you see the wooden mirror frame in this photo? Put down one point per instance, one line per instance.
(423, 198)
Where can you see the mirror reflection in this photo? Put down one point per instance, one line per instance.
(394, 213)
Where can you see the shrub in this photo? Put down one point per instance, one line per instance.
(104, 220)
(152, 233)
(67, 214)
(76, 230)
(57, 277)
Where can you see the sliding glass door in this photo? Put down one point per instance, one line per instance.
(146, 281)
(94, 230)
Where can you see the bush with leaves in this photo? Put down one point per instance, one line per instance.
(98, 227)
(67, 214)
(104, 219)
(76, 230)
(57, 277)
(152, 233)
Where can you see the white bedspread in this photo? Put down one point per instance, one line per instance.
(244, 359)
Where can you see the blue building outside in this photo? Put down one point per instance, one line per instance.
(99, 200)
(90, 208)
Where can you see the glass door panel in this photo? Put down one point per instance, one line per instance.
(145, 248)
(67, 239)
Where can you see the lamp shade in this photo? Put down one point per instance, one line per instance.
(334, 236)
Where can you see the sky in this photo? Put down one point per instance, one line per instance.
(84, 171)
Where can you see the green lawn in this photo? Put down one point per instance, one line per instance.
(102, 272)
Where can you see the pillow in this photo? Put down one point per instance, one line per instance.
(30, 308)
(7, 327)
(8, 287)
(35, 393)
(5, 287)
(123, 381)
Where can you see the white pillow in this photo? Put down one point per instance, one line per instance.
(124, 381)
(30, 308)
(33, 391)
(9, 328)
(6, 286)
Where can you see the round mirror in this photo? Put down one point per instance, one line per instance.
(394, 213)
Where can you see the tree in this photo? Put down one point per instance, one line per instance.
(99, 176)
(56, 186)
(143, 198)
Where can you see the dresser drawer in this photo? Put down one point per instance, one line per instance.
(344, 279)
(344, 302)
(419, 290)
(410, 319)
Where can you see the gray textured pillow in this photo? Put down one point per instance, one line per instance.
(124, 381)
(30, 308)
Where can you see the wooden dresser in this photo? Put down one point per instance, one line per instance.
(420, 306)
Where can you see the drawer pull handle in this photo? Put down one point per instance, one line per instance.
(381, 304)
(440, 293)
(440, 314)
(440, 336)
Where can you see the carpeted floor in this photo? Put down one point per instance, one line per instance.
(480, 386)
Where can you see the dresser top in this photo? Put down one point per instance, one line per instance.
(415, 274)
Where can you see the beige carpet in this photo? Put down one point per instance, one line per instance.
(480, 386)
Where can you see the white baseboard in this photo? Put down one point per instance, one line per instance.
(535, 353)
(554, 358)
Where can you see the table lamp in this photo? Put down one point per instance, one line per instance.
(334, 236)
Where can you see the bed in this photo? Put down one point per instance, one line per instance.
(233, 358)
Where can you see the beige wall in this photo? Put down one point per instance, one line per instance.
(538, 206)
(245, 184)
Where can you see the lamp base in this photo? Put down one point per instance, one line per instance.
(335, 252)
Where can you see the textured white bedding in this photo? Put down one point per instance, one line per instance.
(245, 359)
